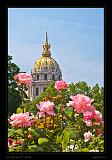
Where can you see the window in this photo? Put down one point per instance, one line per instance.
(44, 89)
(37, 77)
(37, 91)
(53, 77)
(53, 68)
(45, 76)
(59, 78)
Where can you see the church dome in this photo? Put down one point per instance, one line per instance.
(44, 71)
(46, 63)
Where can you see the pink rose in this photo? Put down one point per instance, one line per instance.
(98, 116)
(88, 122)
(18, 142)
(60, 85)
(45, 107)
(21, 119)
(81, 103)
(10, 141)
(87, 135)
(90, 116)
(23, 78)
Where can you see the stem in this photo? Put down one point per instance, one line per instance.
(24, 139)
(61, 108)
(23, 96)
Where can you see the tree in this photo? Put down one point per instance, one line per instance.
(48, 94)
(14, 99)
(98, 96)
(79, 88)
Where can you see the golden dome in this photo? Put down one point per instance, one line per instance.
(46, 63)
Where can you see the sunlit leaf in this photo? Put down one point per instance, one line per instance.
(42, 140)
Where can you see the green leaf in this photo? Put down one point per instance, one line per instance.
(11, 132)
(19, 110)
(72, 142)
(34, 148)
(58, 139)
(33, 142)
(69, 111)
(77, 150)
(42, 140)
(19, 132)
(101, 142)
(65, 139)
(34, 133)
(57, 108)
(12, 150)
(84, 150)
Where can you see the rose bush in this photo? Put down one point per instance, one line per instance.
(58, 124)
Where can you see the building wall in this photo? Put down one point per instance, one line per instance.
(41, 83)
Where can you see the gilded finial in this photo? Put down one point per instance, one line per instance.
(46, 47)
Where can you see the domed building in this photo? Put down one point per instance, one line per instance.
(45, 70)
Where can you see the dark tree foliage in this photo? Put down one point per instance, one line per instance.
(14, 99)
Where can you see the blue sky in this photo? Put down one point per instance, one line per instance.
(76, 36)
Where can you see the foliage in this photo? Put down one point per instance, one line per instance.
(14, 99)
(95, 92)
(64, 131)
(49, 94)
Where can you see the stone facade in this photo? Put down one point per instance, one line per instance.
(45, 70)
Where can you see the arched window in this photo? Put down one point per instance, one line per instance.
(44, 89)
(37, 91)
(59, 78)
(53, 68)
(53, 77)
(37, 77)
(45, 76)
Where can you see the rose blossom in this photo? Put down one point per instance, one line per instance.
(87, 135)
(98, 116)
(23, 78)
(11, 143)
(81, 103)
(21, 119)
(59, 85)
(89, 116)
(45, 107)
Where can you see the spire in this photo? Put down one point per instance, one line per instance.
(46, 38)
(46, 47)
